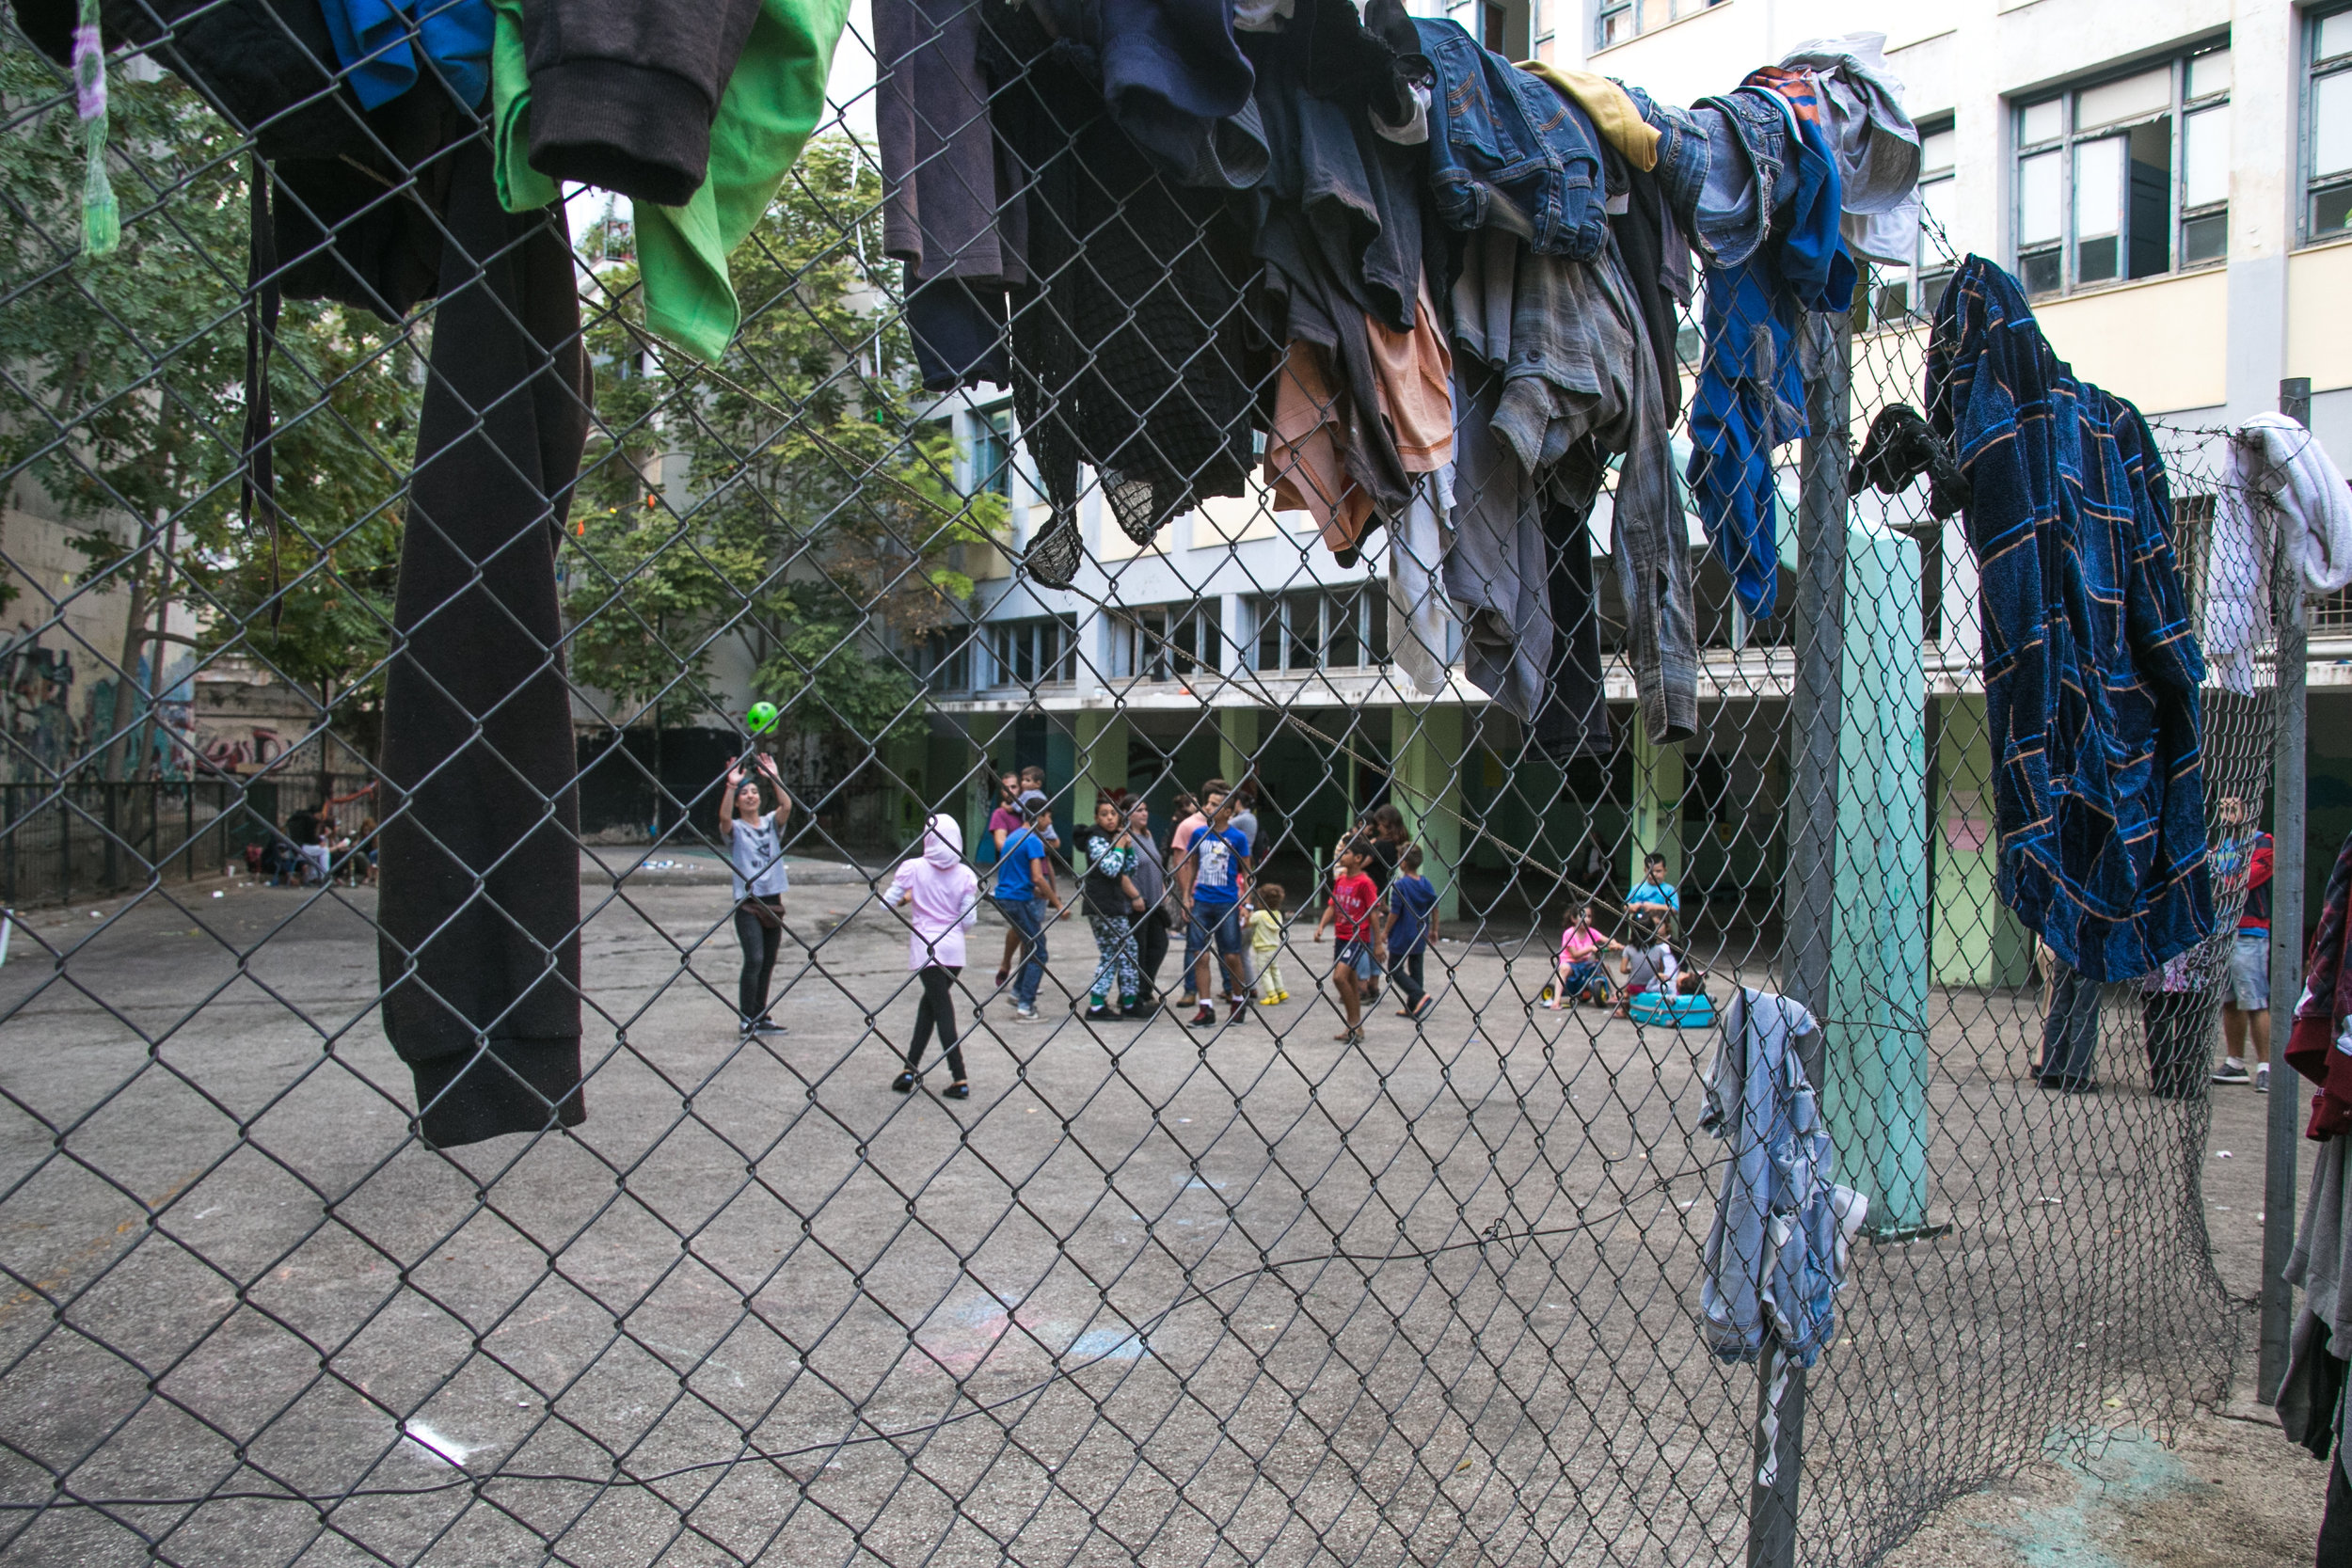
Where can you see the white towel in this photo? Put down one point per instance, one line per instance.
(2273, 456)
(1421, 618)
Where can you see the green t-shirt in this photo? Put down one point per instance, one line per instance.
(771, 103)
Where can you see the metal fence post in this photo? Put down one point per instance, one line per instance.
(1812, 871)
(2286, 933)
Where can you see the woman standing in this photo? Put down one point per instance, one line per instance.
(754, 841)
(943, 899)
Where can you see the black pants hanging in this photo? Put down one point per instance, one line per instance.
(759, 926)
(478, 933)
(938, 1010)
(2335, 1525)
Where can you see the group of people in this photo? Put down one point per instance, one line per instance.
(1648, 963)
(312, 847)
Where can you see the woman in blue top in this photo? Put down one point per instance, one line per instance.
(754, 841)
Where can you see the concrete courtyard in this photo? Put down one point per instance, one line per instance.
(1151, 1294)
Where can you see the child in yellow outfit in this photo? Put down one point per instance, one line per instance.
(1265, 943)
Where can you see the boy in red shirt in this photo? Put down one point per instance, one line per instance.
(1354, 910)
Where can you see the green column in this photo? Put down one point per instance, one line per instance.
(1657, 817)
(1876, 1033)
(1426, 744)
(1977, 942)
(1236, 743)
(904, 758)
(1101, 762)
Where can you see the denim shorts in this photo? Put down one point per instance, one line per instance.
(1217, 923)
(2249, 971)
(1355, 954)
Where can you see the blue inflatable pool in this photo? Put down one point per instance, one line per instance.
(1683, 1011)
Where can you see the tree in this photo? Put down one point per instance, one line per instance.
(822, 514)
(123, 396)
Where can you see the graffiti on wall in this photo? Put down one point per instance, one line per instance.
(47, 718)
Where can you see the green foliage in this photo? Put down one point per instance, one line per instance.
(125, 400)
(824, 512)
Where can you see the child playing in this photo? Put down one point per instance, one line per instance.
(1354, 910)
(1266, 944)
(1412, 927)
(1650, 967)
(1581, 970)
(943, 899)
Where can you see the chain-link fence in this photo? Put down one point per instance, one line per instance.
(625, 1251)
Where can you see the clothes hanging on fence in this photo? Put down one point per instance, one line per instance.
(766, 107)
(1874, 143)
(1420, 620)
(479, 918)
(1507, 151)
(372, 44)
(2091, 666)
(1572, 717)
(1898, 449)
(1308, 447)
(1750, 397)
(359, 193)
(1612, 110)
(1775, 1256)
(951, 209)
(2273, 456)
(2316, 1044)
(1176, 81)
(627, 94)
(1133, 349)
(2308, 1399)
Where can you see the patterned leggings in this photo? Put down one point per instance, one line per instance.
(1119, 976)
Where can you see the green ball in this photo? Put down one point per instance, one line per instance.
(762, 718)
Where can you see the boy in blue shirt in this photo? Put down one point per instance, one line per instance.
(1412, 927)
(1654, 898)
(1024, 877)
(1214, 873)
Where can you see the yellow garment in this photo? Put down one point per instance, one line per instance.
(1265, 930)
(1612, 112)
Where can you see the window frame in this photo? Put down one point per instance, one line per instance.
(988, 425)
(1058, 668)
(1915, 305)
(1275, 615)
(1166, 642)
(2316, 68)
(2178, 109)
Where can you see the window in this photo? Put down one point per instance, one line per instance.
(2327, 129)
(1164, 643)
(1030, 652)
(1615, 21)
(1916, 290)
(946, 660)
(1345, 628)
(990, 454)
(2126, 177)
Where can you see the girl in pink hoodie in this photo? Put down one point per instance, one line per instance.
(941, 897)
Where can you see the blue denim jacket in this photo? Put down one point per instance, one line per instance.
(1507, 151)
(2091, 667)
(1776, 1257)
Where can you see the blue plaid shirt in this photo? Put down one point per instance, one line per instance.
(2091, 665)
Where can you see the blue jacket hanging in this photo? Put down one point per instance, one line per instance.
(1750, 390)
(1775, 1256)
(372, 44)
(2091, 665)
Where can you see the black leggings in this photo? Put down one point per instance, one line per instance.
(760, 942)
(938, 1008)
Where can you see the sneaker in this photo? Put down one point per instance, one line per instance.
(769, 1026)
(904, 1084)
(1237, 1006)
(2232, 1071)
(1100, 1014)
(957, 1090)
(1026, 1015)
(2261, 1079)
(1205, 1017)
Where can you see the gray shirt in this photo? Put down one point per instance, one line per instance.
(1149, 872)
(757, 859)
